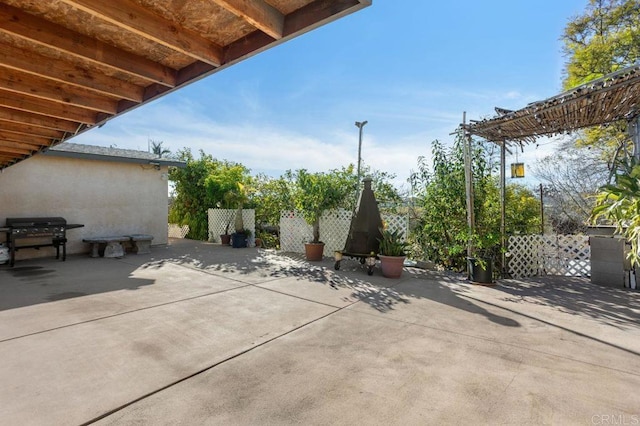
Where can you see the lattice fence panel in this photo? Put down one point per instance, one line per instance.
(177, 231)
(524, 255)
(219, 218)
(294, 232)
(567, 255)
(334, 229)
(394, 222)
(532, 255)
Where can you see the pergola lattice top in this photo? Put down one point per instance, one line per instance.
(611, 98)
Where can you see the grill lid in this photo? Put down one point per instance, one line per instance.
(31, 222)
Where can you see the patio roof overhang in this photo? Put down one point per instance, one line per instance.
(611, 98)
(67, 66)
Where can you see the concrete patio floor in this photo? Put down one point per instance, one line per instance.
(195, 333)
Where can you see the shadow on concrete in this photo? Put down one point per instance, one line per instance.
(382, 294)
(256, 266)
(35, 281)
(616, 307)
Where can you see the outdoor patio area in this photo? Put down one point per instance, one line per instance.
(197, 333)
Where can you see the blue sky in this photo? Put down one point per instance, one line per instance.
(410, 68)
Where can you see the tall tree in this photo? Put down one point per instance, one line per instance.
(159, 150)
(605, 38)
(202, 184)
(441, 233)
(318, 192)
(272, 196)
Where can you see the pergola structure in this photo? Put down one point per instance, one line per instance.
(69, 65)
(612, 98)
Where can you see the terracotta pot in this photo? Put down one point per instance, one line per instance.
(314, 251)
(225, 239)
(391, 265)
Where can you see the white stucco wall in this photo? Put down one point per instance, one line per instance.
(109, 198)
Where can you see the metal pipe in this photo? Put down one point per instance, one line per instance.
(468, 173)
(541, 210)
(360, 125)
(633, 128)
(503, 204)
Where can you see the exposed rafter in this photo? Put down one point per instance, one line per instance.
(257, 13)
(132, 17)
(66, 71)
(67, 66)
(21, 24)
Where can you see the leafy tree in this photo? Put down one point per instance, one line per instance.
(604, 39)
(189, 206)
(441, 231)
(227, 185)
(316, 193)
(271, 197)
(441, 234)
(522, 210)
(202, 184)
(275, 195)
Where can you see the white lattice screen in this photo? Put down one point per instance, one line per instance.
(334, 228)
(177, 231)
(219, 218)
(532, 255)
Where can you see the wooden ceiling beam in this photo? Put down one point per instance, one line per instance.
(28, 130)
(4, 149)
(305, 18)
(22, 145)
(141, 21)
(313, 14)
(46, 108)
(258, 13)
(65, 72)
(22, 117)
(18, 23)
(24, 141)
(32, 85)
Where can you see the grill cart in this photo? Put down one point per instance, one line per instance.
(37, 232)
(362, 242)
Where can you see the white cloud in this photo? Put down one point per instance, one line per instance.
(249, 129)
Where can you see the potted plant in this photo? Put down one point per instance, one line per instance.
(226, 189)
(240, 237)
(480, 265)
(225, 239)
(315, 194)
(392, 253)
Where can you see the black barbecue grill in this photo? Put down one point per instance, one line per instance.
(37, 232)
